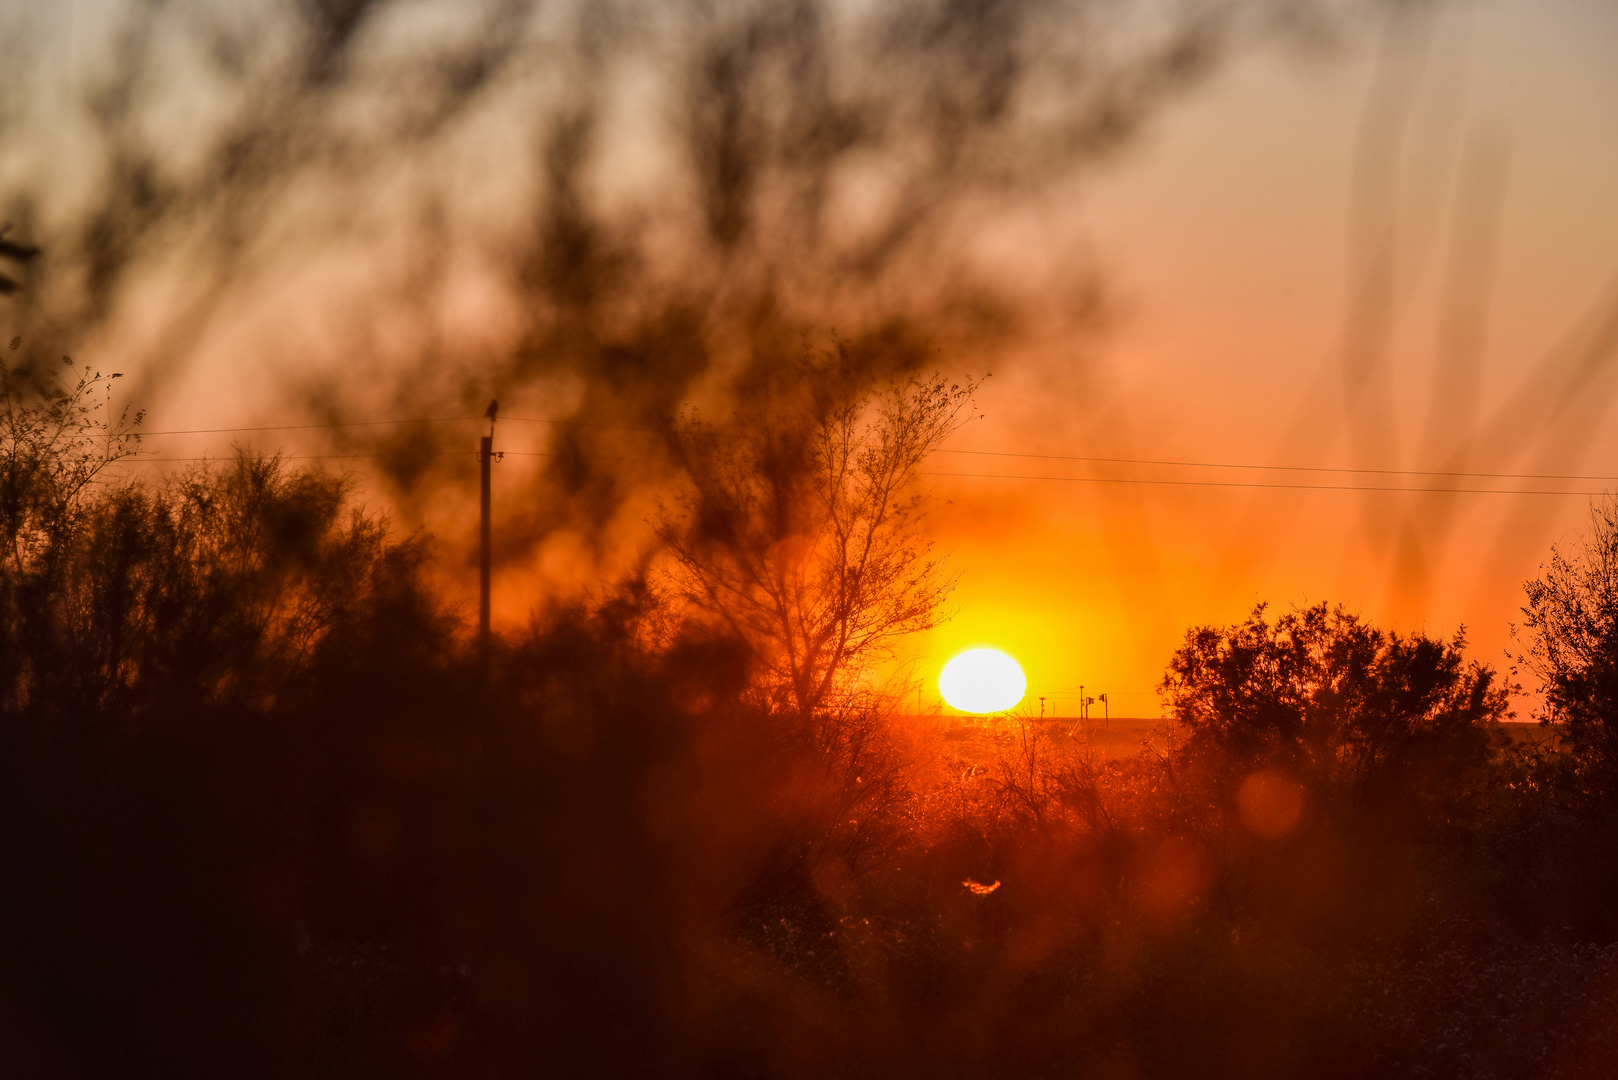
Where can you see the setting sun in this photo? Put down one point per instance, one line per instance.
(982, 681)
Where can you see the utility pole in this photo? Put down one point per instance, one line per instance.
(1042, 707)
(485, 557)
(1084, 711)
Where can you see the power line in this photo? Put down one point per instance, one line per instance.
(296, 457)
(143, 456)
(1286, 468)
(333, 424)
(1160, 462)
(1254, 485)
(1276, 487)
(1251, 485)
(307, 427)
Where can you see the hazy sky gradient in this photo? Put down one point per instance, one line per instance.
(1225, 235)
(1394, 253)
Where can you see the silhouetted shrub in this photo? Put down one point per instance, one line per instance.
(1570, 641)
(1362, 717)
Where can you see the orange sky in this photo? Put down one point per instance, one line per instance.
(1225, 236)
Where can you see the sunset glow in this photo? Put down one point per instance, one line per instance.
(830, 538)
(982, 681)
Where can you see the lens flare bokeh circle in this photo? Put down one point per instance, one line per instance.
(982, 681)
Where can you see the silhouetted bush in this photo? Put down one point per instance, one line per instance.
(1570, 642)
(1363, 718)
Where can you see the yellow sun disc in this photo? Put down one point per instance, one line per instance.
(982, 681)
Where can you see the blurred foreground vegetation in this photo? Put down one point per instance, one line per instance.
(263, 811)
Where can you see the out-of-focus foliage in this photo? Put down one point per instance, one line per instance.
(601, 210)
